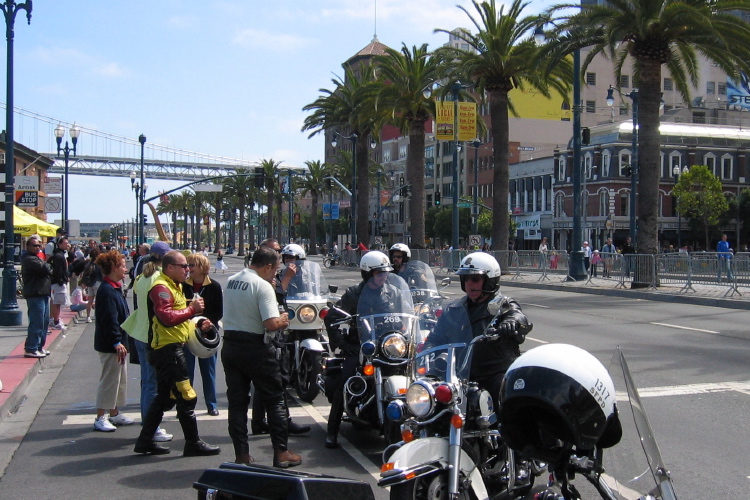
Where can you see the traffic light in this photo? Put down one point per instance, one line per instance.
(585, 136)
(437, 198)
(407, 191)
(329, 184)
(145, 219)
(627, 170)
(260, 177)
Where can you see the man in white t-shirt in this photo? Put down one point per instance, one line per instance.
(49, 249)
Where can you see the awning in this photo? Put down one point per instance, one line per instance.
(26, 224)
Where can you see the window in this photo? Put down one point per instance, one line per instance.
(710, 161)
(722, 88)
(587, 170)
(726, 166)
(386, 155)
(624, 81)
(590, 78)
(624, 203)
(668, 84)
(674, 161)
(561, 167)
(559, 205)
(590, 106)
(624, 161)
(402, 151)
(623, 109)
(710, 87)
(606, 160)
(603, 202)
(548, 200)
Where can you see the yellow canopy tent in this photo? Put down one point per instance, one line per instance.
(26, 224)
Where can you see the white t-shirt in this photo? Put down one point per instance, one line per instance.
(249, 300)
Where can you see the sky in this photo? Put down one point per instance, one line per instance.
(221, 77)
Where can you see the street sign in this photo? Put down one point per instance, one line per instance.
(335, 211)
(53, 205)
(27, 199)
(464, 205)
(53, 185)
(208, 188)
(475, 240)
(326, 211)
(345, 204)
(378, 240)
(27, 183)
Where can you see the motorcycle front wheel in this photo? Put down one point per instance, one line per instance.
(307, 375)
(326, 263)
(430, 487)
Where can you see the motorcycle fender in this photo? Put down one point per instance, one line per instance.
(419, 455)
(312, 345)
(395, 385)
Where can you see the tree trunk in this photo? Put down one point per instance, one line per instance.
(241, 224)
(363, 190)
(649, 95)
(280, 216)
(501, 177)
(218, 225)
(415, 177)
(313, 247)
(269, 214)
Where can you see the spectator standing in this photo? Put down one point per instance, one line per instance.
(628, 252)
(37, 286)
(139, 261)
(199, 284)
(251, 309)
(49, 249)
(60, 280)
(596, 258)
(586, 249)
(137, 327)
(170, 328)
(725, 258)
(220, 264)
(92, 277)
(543, 255)
(609, 252)
(110, 341)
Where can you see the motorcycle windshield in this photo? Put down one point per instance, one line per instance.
(420, 279)
(444, 362)
(453, 333)
(385, 306)
(634, 467)
(308, 282)
(428, 314)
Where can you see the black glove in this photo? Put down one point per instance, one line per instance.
(507, 327)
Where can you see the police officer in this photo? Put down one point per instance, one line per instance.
(248, 356)
(399, 254)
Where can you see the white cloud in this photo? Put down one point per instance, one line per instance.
(260, 39)
(57, 57)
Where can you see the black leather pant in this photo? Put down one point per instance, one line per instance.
(251, 361)
(172, 388)
(348, 369)
(259, 409)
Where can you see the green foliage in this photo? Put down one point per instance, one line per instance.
(443, 225)
(699, 196)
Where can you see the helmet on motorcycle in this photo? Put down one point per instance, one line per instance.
(400, 247)
(484, 264)
(293, 250)
(374, 261)
(556, 397)
(203, 344)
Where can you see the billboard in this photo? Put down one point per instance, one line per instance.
(738, 93)
(530, 103)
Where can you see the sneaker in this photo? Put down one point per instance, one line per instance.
(45, 352)
(103, 424)
(121, 419)
(59, 326)
(34, 354)
(88, 320)
(161, 436)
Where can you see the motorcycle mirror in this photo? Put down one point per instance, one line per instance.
(333, 288)
(495, 306)
(445, 282)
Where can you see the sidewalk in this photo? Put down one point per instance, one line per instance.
(16, 371)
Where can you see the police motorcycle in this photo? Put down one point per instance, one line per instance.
(389, 335)
(305, 340)
(451, 441)
(428, 301)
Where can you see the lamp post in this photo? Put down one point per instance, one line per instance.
(633, 94)
(353, 208)
(289, 198)
(677, 172)
(475, 212)
(75, 131)
(10, 314)
(140, 192)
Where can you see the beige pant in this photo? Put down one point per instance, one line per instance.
(113, 382)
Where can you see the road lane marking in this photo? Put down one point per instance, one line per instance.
(684, 328)
(537, 305)
(690, 389)
(536, 340)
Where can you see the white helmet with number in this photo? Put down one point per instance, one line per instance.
(400, 247)
(374, 261)
(483, 264)
(293, 250)
(203, 344)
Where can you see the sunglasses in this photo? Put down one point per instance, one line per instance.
(475, 278)
(184, 266)
(35, 246)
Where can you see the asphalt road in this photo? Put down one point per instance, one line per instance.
(690, 362)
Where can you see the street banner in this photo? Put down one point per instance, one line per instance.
(444, 120)
(467, 121)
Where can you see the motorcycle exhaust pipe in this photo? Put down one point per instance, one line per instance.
(356, 385)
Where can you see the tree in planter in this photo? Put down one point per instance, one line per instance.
(700, 197)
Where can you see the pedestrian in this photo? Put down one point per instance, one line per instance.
(199, 284)
(608, 251)
(92, 277)
(60, 280)
(596, 258)
(139, 261)
(725, 259)
(248, 356)
(169, 330)
(37, 288)
(628, 253)
(220, 264)
(110, 341)
(586, 249)
(49, 249)
(543, 255)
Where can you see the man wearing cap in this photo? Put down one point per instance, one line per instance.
(49, 249)
(169, 330)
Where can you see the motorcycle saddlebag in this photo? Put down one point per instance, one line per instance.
(259, 482)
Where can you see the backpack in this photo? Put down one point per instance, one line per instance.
(88, 278)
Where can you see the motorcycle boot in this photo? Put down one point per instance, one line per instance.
(199, 448)
(150, 447)
(334, 420)
(244, 459)
(285, 458)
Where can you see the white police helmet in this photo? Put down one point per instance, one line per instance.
(203, 344)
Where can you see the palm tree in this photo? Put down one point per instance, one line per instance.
(270, 170)
(503, 56)
(350, 106)
(652, 35)
(314, 184)
(241, 186)
(179, 203)
(404, 77)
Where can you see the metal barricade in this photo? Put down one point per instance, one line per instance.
(349, 257)
(713, 268)
(508, 260)
(673, 268)
(420, 254)
(742, 269)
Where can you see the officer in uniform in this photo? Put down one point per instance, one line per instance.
(248, 356)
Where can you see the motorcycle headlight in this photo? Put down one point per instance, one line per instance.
(394, 346)
(420, 398)
(307, 314)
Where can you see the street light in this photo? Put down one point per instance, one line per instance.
(633, 94)
(476, 144)
(75, 131)
(677, 172)
(10, 314)
(140, 193)
(353, 222)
